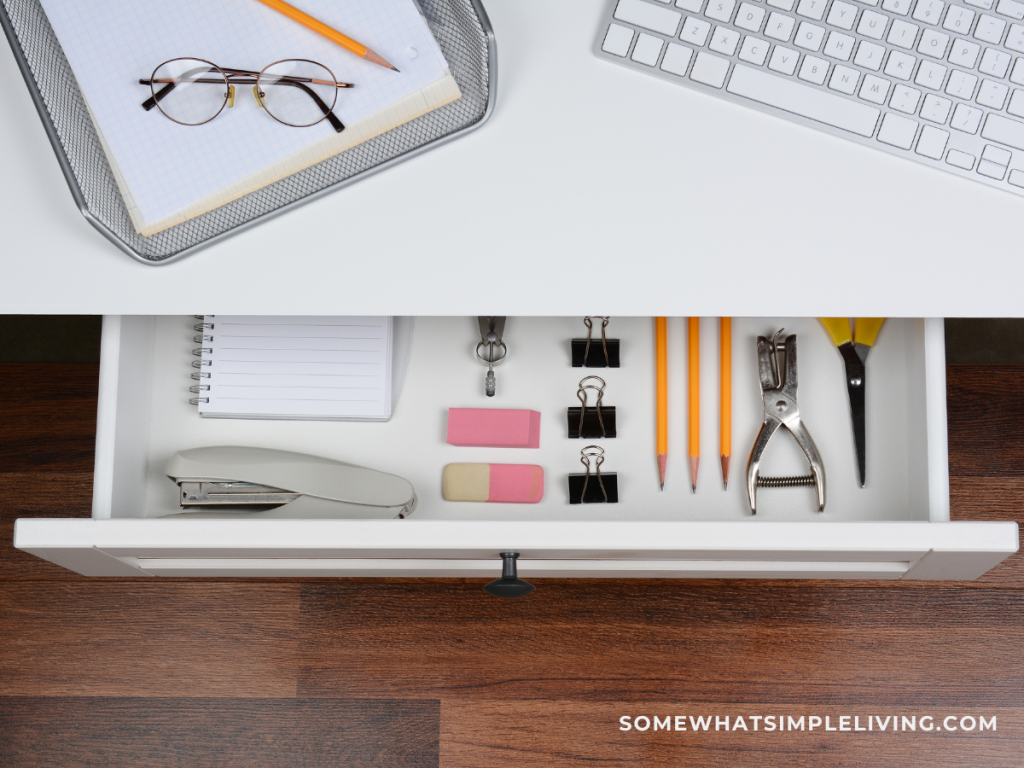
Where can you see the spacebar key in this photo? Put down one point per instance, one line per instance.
(803, 100)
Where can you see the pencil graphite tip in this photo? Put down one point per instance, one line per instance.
(693, 489)
(725, 485)
(663, 486)
(396, 69)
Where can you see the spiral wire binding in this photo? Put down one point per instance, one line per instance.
(201, 338)
(792, 481)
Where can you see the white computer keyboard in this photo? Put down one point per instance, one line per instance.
(939, 82)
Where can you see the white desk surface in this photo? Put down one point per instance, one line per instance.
(591, 189)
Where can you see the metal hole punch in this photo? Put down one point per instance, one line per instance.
(593, 422)
(604, 491)
(778, 392)
(607, 357)
(491, 350)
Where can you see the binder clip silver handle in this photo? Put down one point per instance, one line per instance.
(491, 350)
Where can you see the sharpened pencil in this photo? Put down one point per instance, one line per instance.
(330, 33)
(725, 396)
(661, 378)
(693, 393)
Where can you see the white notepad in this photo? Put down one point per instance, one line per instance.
(168, 173)
(266, 367)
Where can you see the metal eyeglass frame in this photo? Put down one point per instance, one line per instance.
(231, 77)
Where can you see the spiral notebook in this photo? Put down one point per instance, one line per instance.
(313, 368)
(169, 173)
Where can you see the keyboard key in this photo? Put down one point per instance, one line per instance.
(809, 36)
(648, 16)
(902, 7)
(1017, 76)
(844, 80)
(617, 40)
(992, 94)
(960, 159)
(933, 44)
(783, 60)
(1015, 38)
(1016, 105)
(842, 15)
(990, 29)
(967, 119)
(903, 34)
(928, 11)
(897, 131)
(1016, 178)
(905, 99)
(779, 27)
(961, 85)
(693, 6)
(936, 109)
(839, 46)
(754, 50)
(932, 142)
(869, 56)
(677, 59)
(812, 9)
(814, 70)
(992, 170)
(874, 89)
(710, 70)
(872, 3)
(994, 63)
(958, 19)
(872, 25)
(900, 65)
(1004, 130)
(647, 50)
(720, 10)
(786, 5)
(1011, 8)
(724, 41)
(930, 75)
(996, 155)
(985, 5)
(804, 100)
(750, 17)
(695, 31)
(964, 53)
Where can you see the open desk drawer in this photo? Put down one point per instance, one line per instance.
(897, 527)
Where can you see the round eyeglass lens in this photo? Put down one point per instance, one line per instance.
(189, 91)
(297, 92)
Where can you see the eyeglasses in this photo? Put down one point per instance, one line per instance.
(296, 92)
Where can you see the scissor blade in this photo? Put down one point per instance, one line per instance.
(855, 388)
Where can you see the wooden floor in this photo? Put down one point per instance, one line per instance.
(120, 672)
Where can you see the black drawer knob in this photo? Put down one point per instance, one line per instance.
(509, 585)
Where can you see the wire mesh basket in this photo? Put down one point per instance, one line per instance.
(461, 28)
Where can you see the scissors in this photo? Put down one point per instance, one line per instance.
(854, 348)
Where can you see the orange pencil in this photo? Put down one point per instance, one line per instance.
(693, 350)
(725, 396)
(323, 30)
(661, 377)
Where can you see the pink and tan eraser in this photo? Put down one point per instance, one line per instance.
(511, 483)
(494, 428)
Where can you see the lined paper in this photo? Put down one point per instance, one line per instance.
(169, 172)
(298, 367)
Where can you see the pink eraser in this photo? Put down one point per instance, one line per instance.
(509, 483)
(494, 428)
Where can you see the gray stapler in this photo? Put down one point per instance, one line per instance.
(278, 484)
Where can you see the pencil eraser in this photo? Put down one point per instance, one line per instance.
(494, 428)
(508, 483)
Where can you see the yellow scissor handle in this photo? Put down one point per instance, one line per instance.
(839, 329)
(867, 329)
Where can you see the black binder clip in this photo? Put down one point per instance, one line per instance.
(605, 357)
(591, 422)
(606, 488)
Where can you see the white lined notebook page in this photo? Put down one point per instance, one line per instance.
(169, 172)
(298, 367)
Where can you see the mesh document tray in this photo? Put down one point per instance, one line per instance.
(461, 28)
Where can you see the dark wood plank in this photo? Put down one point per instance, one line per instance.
(652, 641)
(111, 637)
(577, 733)
(228, 733)
(985, 405)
